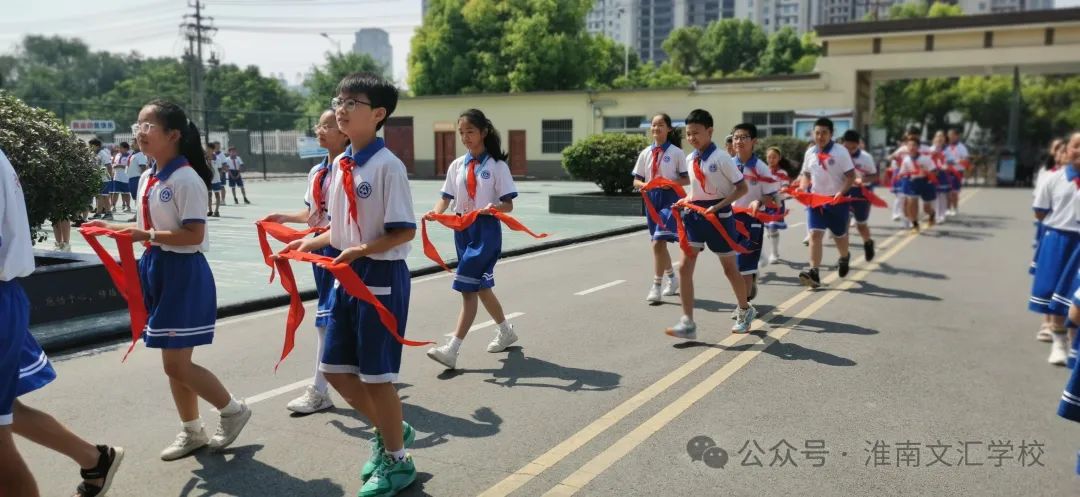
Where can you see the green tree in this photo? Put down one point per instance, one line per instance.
(784, 50)
(57, 171)
(248, 99)
(649, 75)
(498, 46)
(322, 83)
(731, 45)
(608, 62)
(683, 47)
(941, 9)
(56, 68)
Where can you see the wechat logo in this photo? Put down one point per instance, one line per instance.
(704, 449)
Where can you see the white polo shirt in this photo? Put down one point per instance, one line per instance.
(827, 179)
(864, 163)
(16, 252)
(719, 171)
(317, 214)
(1056, 196)
(121, 162)
(494, 183)
(672, 163)
(757, 189)
(136, 164)
(234, 163)
(955, 153)
(104, 160)
(179, 197)
(910, 166)
(383, 199)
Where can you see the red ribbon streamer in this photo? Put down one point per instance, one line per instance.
(462, 222)
(349, 280)
(684, 242)
(659, 182)
(124, 275)
(874, 200)
(760, 215)
(281, 233)
(817, 200)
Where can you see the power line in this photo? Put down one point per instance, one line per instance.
(311, 30)
(82, 18)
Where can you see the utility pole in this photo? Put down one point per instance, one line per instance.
(198, 31)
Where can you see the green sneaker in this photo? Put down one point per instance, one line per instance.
(390, 477)
(377, 450)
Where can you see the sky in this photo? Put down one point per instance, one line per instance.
(279, 36)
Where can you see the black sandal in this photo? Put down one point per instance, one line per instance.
(108, 461)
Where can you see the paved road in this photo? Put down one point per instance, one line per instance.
(922, 353)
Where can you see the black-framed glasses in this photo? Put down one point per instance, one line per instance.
(349, 104)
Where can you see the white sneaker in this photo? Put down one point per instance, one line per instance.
(950, 212)
(806, 241)
(1044, 335)
(774, 258)
(1059, 349)
(895, 217)
(503, 339)
(654, 294)
(743, 318)
(444, 355)
(230, 427)
(671, 287)
(311, 401)
(685, 329)
(186, 442)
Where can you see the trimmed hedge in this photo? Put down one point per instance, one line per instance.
(605, 159)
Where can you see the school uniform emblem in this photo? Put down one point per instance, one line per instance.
(363, 190)
(667, 158)
(166, 194)
(712, 168)
(485, 174)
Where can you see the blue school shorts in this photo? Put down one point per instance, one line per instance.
(24, 367)
(180, 297)
(478, 249)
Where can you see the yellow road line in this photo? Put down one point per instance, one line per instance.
(627, 443)
(559, 452)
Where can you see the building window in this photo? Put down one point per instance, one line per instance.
(770, 123)
(556, 134)
(624, 124)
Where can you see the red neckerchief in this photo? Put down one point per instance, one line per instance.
(317, 188)
(657, 152)
(823, 160)
(700, 175)
(470, 179)
(348, 279)
(124, 275)
(462, 222)
(659, 182)
(684, 242)
(346, 164)
(148, 223)
(281, 233)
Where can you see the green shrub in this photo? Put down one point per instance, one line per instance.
(606, 159)
(58, 173)
(790, 147)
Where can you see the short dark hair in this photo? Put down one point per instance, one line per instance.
(825, 122)
(125, 145)
(852, 136)
(379, 91)
(700, 116)
(911, 137)
(95, 142)
(749, 128)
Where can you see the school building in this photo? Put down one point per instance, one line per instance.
(537, 126)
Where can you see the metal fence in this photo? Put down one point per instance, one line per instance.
(267, 141)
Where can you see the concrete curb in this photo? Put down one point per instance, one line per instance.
(61, 336)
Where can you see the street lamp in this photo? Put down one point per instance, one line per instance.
(335, 42)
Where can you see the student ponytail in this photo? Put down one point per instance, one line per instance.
(190, 146)
(673, 135)
(492, 141)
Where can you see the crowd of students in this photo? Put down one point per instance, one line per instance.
(358, 205)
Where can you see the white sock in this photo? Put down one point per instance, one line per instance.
(321, 385)
(193, 426)
(398, 455)
(656, 280)
(898, 207)
(774, 241)
(670, 272)
(232, 408)
(504, 326)
(455, 344)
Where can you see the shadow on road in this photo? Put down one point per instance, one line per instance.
(236, 472)
(432, 427)
(517, 367)
(886, 268)
(866, 288)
